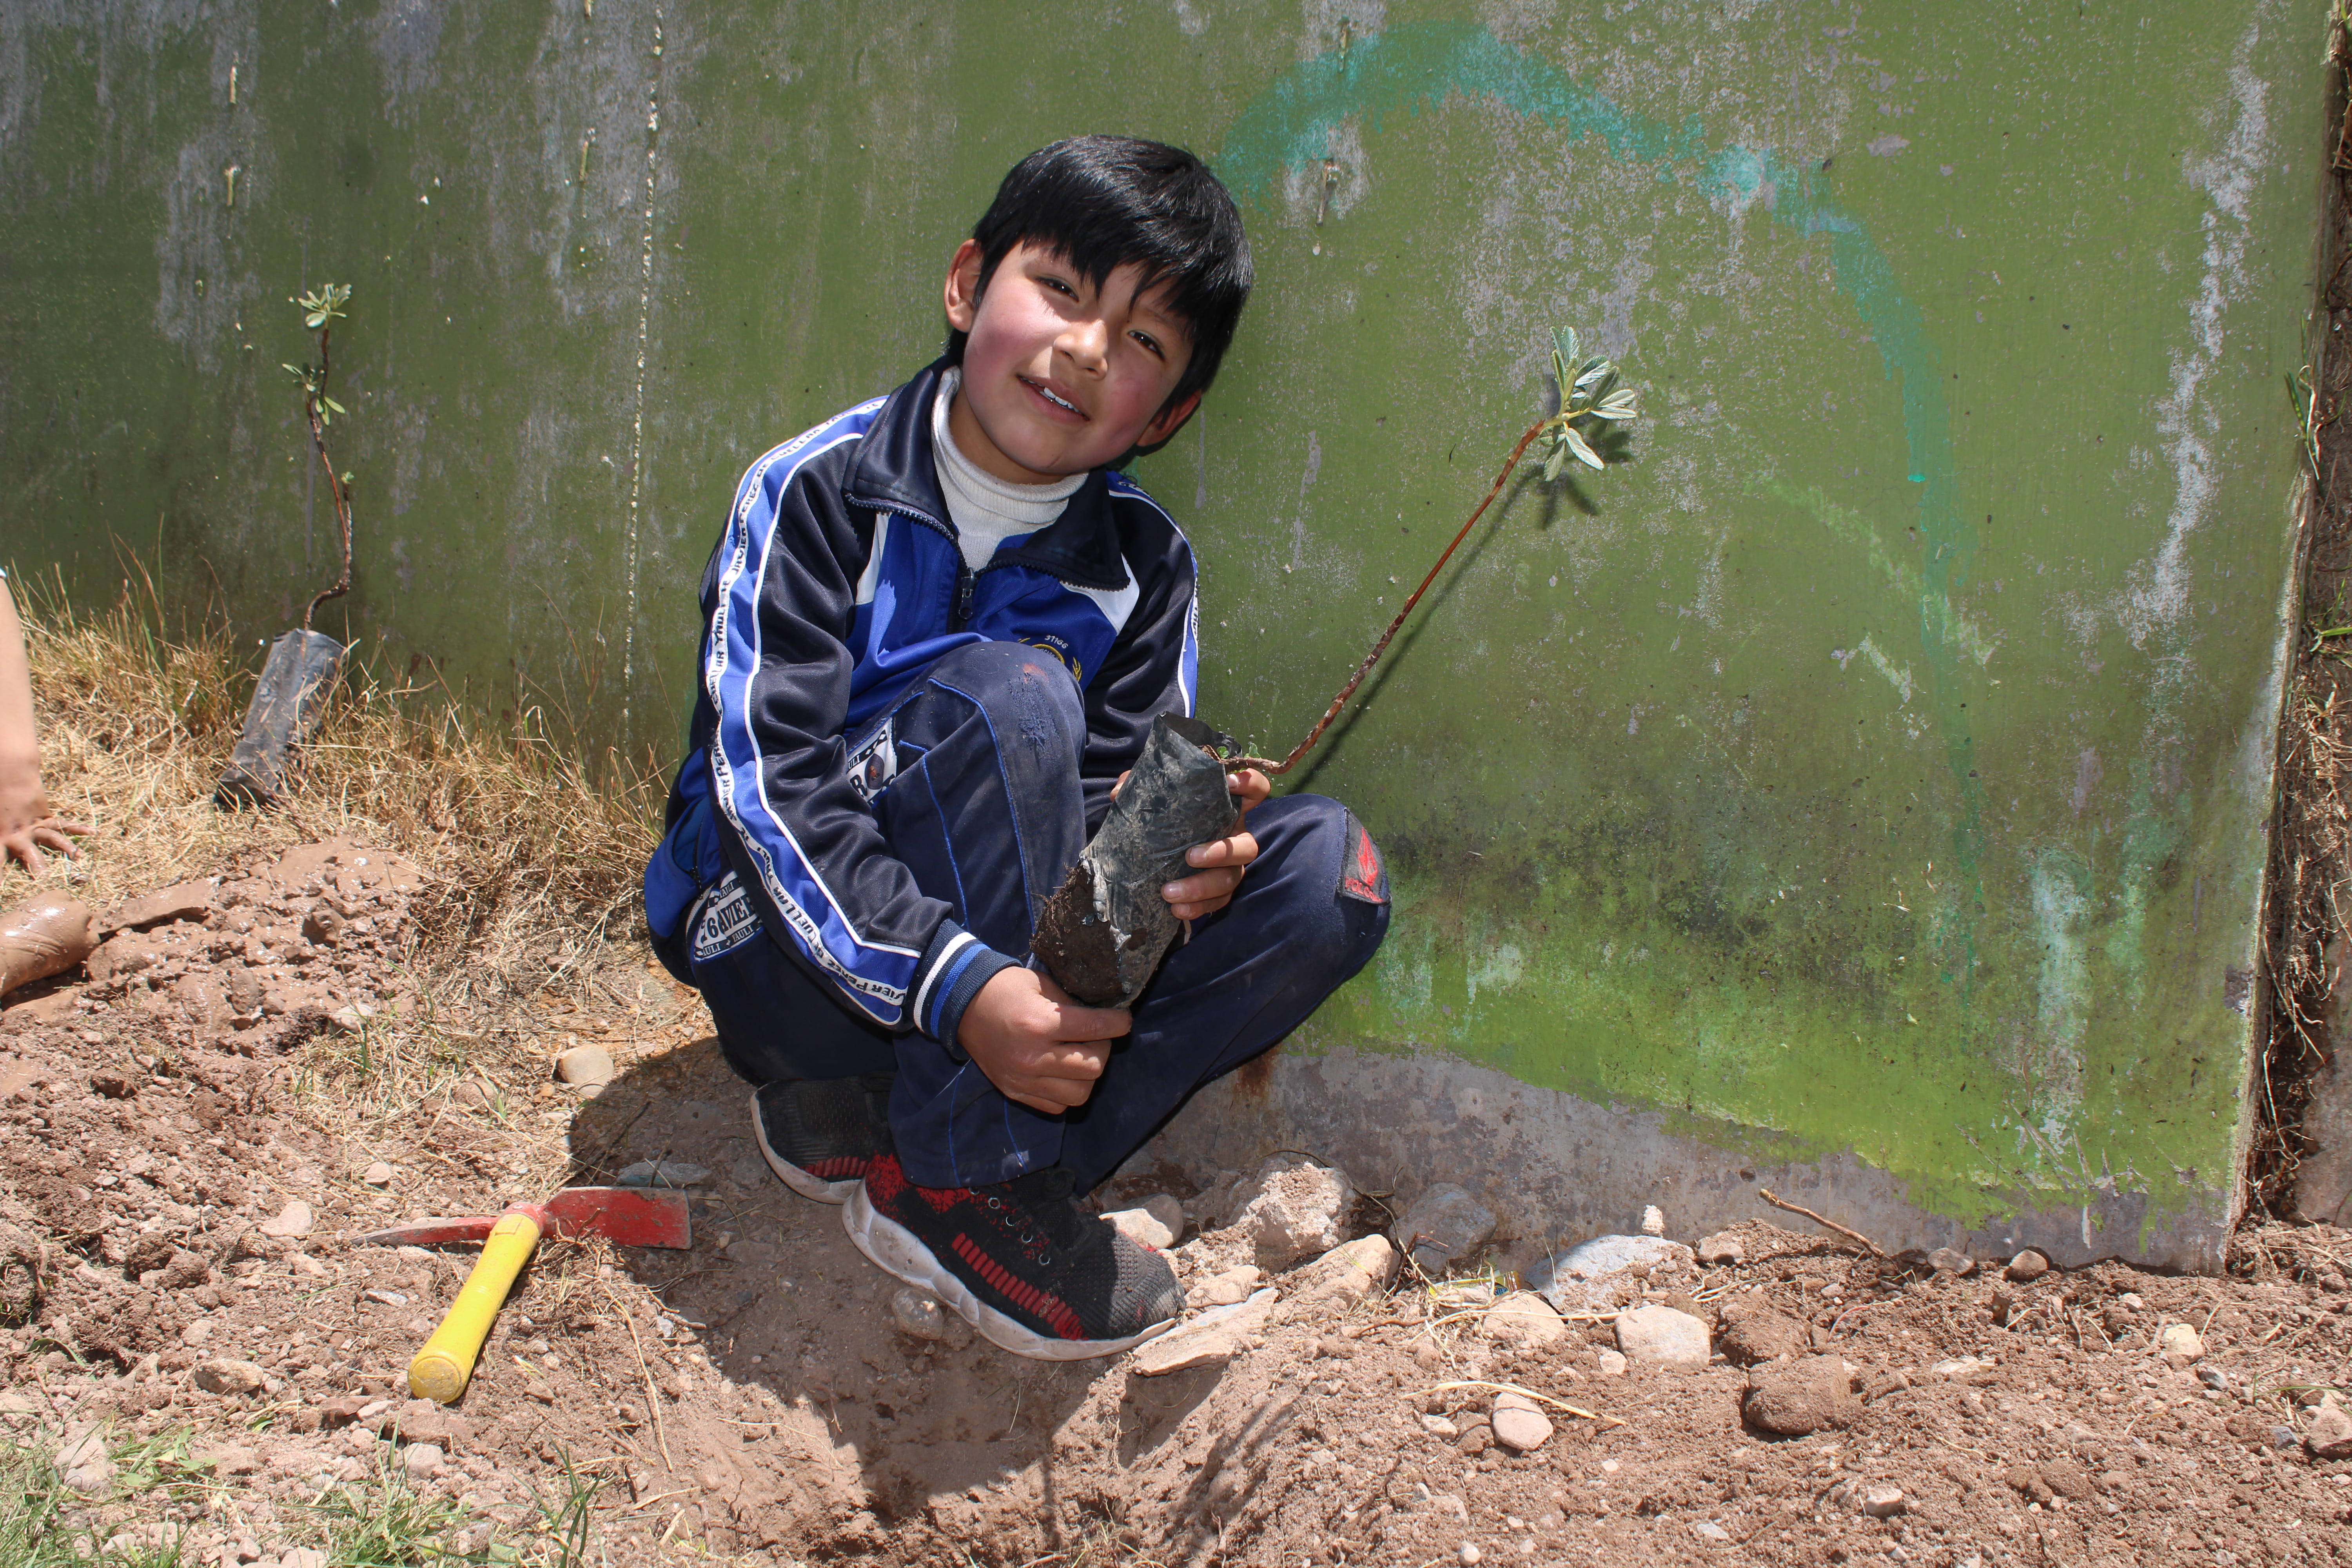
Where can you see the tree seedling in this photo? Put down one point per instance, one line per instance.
(1592, 409)
(1104, 932)
(290, 698)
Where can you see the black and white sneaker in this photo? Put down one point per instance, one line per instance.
(822, 1135)
(1019, 1260)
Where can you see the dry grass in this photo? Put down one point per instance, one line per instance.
(535, 863)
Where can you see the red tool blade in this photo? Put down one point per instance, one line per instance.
(429, 1232)
(633, 1217)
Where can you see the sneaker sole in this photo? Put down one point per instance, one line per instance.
(896, 1251)
(792, 1176)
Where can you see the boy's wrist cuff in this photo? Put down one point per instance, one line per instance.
(954, 967)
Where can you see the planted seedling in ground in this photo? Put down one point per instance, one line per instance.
(1103, 932)
(291, 696)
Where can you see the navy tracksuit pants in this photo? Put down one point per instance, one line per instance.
(984, 809)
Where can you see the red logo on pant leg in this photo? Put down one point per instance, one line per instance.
(1362, 875)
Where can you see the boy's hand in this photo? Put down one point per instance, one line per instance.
(1036, 1043)
(26, 823)
(1221, 861)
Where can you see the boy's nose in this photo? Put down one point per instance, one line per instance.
(1086, 341)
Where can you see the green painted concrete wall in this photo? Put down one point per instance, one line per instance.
(1876, 769)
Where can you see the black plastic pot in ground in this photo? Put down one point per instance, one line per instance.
(1104, 930)
(288, 703)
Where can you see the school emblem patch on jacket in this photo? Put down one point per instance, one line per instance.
(1363, 876)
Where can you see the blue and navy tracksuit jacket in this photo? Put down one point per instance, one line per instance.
(836, 583)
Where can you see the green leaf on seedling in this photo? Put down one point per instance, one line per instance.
(1577, 444)
(1555, 463)
(1618, 404)
(1563, 341)
(333, 405)
(1594, 371)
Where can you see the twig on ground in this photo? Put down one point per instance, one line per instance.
(1853, 1236)
(652, 1394)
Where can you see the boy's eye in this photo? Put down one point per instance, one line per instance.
(1148, 341)
(1057, 284)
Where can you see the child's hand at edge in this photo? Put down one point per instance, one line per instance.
(1219, 863)
(27, 825)
(1038, 1044)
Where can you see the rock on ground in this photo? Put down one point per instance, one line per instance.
(1754, 1331)
(1143, 1227)
(2027, 1266)
(227, 1374)
(2180, 1340)
(1661, 1336)
(1609, 1271)
(2329, 1435)
(1525, 1319)
(1802, 1397)
(1293, 1208)
(1520, 1422)
(585, 1066)
(1721, 1247)
(1211, 1339)
(1441, 1227)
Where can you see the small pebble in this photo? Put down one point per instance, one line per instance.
(585, 1066)
(2027, 1265)
(1654, 1221)
(377, 1175)
(1612, 1363)
(422, 1461)
(919, 1314)
(1470, 1552)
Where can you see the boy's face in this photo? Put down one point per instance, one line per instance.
(1059, 375)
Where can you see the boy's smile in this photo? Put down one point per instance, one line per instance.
(1060, 375)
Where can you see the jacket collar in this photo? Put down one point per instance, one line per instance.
(896, 471)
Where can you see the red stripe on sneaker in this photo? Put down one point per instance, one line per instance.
(1028, 1298)
(840, 1165)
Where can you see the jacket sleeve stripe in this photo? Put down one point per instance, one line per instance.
(874, 976)
(939, 972)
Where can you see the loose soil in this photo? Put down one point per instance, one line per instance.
(188, 1130)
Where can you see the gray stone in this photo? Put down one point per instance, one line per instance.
(1443, 1227)
(421, 1460)
(1661, 1336)
(1520, 1422)
(2026, 1265)
(1439, 1426)
(585, 1066)
(82, 1463)
(378, 1174)
(1609, 1271)
(1951, 1260)
(1292, 1208)
(1612, 1363)
(1709, 1530)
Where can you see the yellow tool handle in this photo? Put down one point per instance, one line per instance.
(441, 1368)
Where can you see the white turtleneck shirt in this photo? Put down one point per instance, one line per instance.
(987, 510)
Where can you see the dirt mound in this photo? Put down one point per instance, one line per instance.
(250, 1067)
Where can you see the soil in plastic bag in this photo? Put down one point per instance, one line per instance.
(1105, 930)
(288, 703)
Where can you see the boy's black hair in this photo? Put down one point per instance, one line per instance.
(1100, 201)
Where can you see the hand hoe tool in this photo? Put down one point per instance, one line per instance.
(633, 1217)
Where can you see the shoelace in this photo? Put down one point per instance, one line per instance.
(1031, 1243)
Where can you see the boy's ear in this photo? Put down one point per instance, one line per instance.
(1166, 423)
(962, 288)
